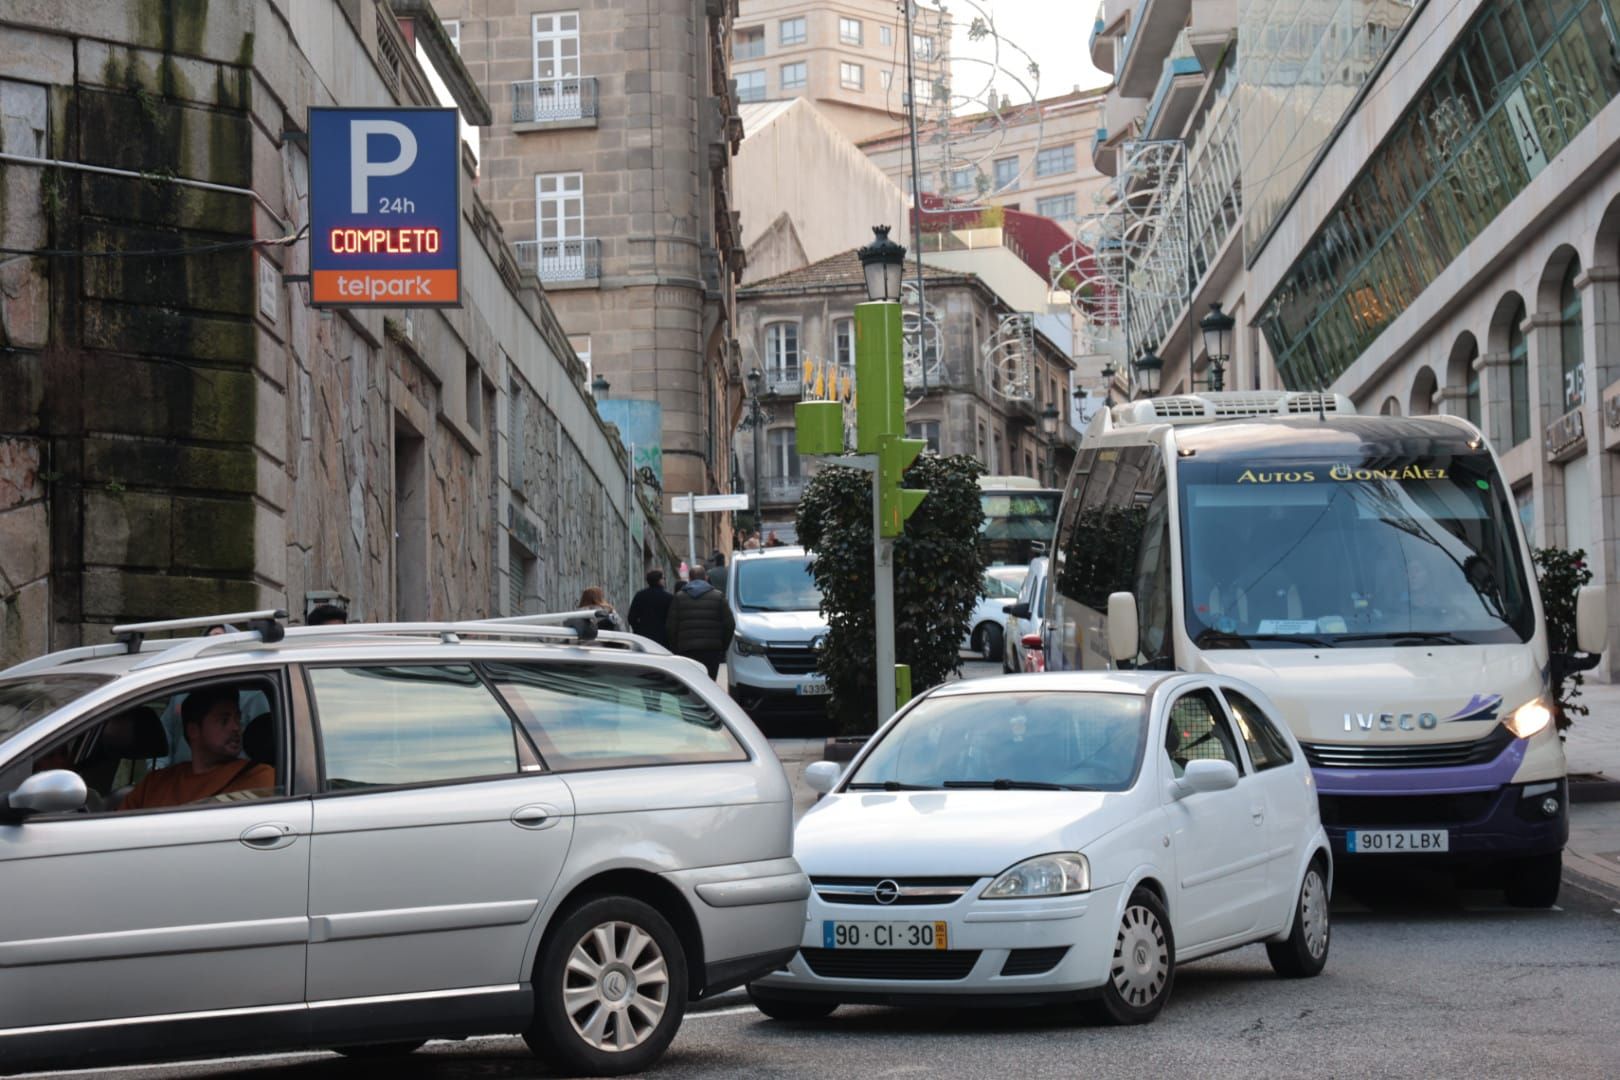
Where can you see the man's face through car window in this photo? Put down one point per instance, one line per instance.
(217, 737)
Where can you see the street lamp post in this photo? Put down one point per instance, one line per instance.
(755, 418)
(1217, 327)
(1049, 428)
(1148, 368)
(1108, 374)
(600, 386)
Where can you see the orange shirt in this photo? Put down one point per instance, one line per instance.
(178, 784)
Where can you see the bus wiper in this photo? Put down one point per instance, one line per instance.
(887, 785)
(1221, 639)
(1004, 784)
(1439, 637)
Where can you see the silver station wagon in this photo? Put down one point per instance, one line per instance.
(361, 837)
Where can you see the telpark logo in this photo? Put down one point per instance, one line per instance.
(372, 286)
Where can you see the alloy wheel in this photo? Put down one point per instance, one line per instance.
(1141, 957)
(615, 986)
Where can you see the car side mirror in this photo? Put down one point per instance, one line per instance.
(822, 776)
(1019, 610)
(1122, 629)
(1204, 775)
(55, 791)
(1591, 619)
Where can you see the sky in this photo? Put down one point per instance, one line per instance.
(1056, 35)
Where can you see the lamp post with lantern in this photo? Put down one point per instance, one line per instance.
(755, 417)
(1049, 428)
(1217, 327)
(1148, 369)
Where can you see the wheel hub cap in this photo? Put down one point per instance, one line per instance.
(615, 986)
(1313, 909)
(1141, 957)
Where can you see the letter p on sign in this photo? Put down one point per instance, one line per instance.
(362, 168)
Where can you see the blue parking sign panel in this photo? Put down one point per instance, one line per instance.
(385, 207)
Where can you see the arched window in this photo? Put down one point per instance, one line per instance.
(1518, 376)
(1569, 339)
(1471, 381)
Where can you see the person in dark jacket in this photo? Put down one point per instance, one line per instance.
(700, 623)
(649, 610)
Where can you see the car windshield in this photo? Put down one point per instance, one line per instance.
(1076, 740)
(1412, 551)
(1002, 583)
(776, 584)
(25, 701)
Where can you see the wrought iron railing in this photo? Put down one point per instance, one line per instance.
(782, 489)
(561, 260)
(546, 101)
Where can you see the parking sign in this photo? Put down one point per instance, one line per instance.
(385, 207)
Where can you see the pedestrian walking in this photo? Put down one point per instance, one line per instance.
(700, 622)
(649, 609)
(594, 597)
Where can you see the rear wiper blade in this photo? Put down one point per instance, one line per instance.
(887, 785)
(1220, 639)
(1004, 784)
(1440, 636)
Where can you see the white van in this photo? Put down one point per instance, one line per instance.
(1369, 573)
(771, 665)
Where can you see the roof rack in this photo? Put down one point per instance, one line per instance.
(267, 624)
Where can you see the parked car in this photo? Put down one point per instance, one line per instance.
(1057, 837)
(1025, 619)
(771, 665)
(430, 830)
(986, 631)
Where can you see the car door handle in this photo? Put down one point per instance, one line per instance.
(534, 816)
(1258, 813)
(269, 836)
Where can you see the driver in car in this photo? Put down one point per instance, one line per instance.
(212, 722)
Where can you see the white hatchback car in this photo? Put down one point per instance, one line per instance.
(1038, 838)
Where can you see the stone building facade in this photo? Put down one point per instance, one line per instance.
(608, 163)
(799, 324)
(180, 432)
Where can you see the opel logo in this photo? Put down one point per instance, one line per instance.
(886, 892)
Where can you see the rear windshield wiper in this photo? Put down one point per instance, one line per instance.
(1220, 639)
(887, 785)
(1440, 637)
(1004, 784)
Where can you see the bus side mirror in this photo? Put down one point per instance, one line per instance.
(1122, 630)
(1591, 619)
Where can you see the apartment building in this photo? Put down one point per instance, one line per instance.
(609, 164)
(1035, 157)
(987, 381)
(847, 56)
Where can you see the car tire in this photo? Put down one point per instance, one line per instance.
(374, 1051)
(1533, 882)
(591, 1016)
(1305, 952)
(781, 1008)
(1143, 967)
(991, 643)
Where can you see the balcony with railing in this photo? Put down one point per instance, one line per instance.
(1180, 83)
(782, 490)
(1112, 22)
(1153, 30)
(559, 262)
(784, 381)
(554, 103)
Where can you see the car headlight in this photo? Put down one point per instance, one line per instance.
(746, 647)
(1529, 718)
(1061, 874)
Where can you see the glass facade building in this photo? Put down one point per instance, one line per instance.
(1522, 80)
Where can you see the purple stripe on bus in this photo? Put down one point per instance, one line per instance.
(1448, 780)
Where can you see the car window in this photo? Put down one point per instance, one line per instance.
(590, 716)
(1197, 731)
(386, 726)
(1268, 747)
(24, 701)
(161, 752)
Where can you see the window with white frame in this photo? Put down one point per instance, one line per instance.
(885, 35)
(792, 31)
(795, 76)
(559, 221)
(849, 31)
(852, 76)
(750, 85)
(922, 46)
(782, 351)
(963, 180)
(784, 459)
(748, 44)
(452, 30)
(885, 78)
(922, 91)
(1006, 172)
(556, 46)
(1056, 207)
(844, 343)
(1055, 160)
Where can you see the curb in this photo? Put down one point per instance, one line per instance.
(1593, 788)
(1592, 874)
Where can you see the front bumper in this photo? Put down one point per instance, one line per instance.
(1483, 826)
(757, 685)
(1001, 951)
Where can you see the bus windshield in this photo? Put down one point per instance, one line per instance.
(1420, 550)
(1018, 525)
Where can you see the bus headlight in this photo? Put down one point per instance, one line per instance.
(1529, 719)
